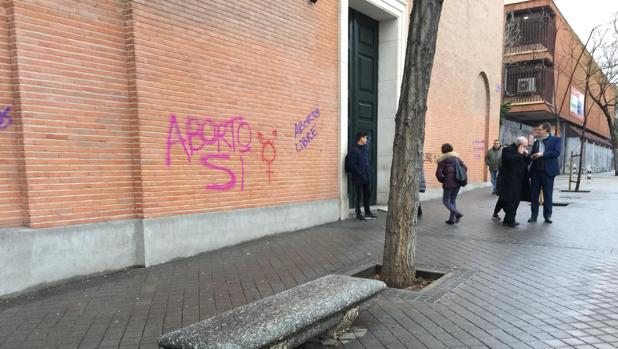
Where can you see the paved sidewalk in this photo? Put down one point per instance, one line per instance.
(536, 286)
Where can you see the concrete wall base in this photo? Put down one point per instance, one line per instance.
(33, 259)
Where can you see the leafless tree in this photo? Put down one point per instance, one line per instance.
(398, 268)
(567, 66)
(512, 31)
(603, 89)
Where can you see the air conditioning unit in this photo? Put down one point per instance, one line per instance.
(526, 85)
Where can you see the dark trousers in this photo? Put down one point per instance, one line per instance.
(449, 199)
(541, 181)
(362, 191)
(499, 206)
(510, 208)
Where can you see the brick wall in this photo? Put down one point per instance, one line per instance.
(157, 108)
(469, 43)
(11, 212)
(73, 94)
(259, 68)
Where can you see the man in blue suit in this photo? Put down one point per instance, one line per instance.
(544, 169)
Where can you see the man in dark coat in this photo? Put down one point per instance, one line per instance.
(544, 169)
(513, 179)
(361, 174)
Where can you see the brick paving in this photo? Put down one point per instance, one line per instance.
(536, 286)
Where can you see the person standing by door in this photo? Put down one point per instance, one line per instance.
(544, 169)
(361, 176)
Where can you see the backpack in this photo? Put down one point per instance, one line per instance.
(461, 177)
(348, 164)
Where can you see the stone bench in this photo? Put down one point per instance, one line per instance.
(285, 320)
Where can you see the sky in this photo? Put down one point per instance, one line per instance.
(583, 15)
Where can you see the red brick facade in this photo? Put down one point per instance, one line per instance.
(138, 109)
(567, 48)
(464, 97)
(153, 108)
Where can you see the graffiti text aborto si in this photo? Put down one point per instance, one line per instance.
(233, 136)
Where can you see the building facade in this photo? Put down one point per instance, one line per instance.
(540, 55)
(139, 131)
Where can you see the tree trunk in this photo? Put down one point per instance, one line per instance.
(613, 131)
(582, 139)
(398, 268)
(582, 149)
(614, 136)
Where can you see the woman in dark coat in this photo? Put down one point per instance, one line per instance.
(445, 173)
(513, 184)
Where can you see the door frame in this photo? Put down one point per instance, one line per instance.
(393, 20)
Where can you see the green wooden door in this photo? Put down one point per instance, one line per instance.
(363, 88)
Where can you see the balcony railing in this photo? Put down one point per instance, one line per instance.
(528, 82)
(530, 31)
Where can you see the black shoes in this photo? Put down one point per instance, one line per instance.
(532, 220)
(370, 216)
(450, 222)
(458, 217)
(366, 217)
(495, 217)
(548, 220)
(511, 224)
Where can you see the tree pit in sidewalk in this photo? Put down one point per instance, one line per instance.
(423, 278)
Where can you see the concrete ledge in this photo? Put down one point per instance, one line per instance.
(32, 259)
(281, 320)
(177, 237)
(38, 258)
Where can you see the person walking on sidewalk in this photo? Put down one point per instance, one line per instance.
(544, 169)
(361, 175)
(513, 179)
(492, 160)
(445, 173)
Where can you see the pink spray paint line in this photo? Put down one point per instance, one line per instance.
(196, 129)
(231, 184)
(173, 126)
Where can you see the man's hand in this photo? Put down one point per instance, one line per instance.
(521, 149)
(537, 155)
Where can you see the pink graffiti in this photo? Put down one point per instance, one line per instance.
(5, 118)
(273, 152)
(478, 148)
(232, 136)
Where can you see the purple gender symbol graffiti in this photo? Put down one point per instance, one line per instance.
(5, 118)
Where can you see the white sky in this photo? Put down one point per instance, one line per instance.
(583, 15)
